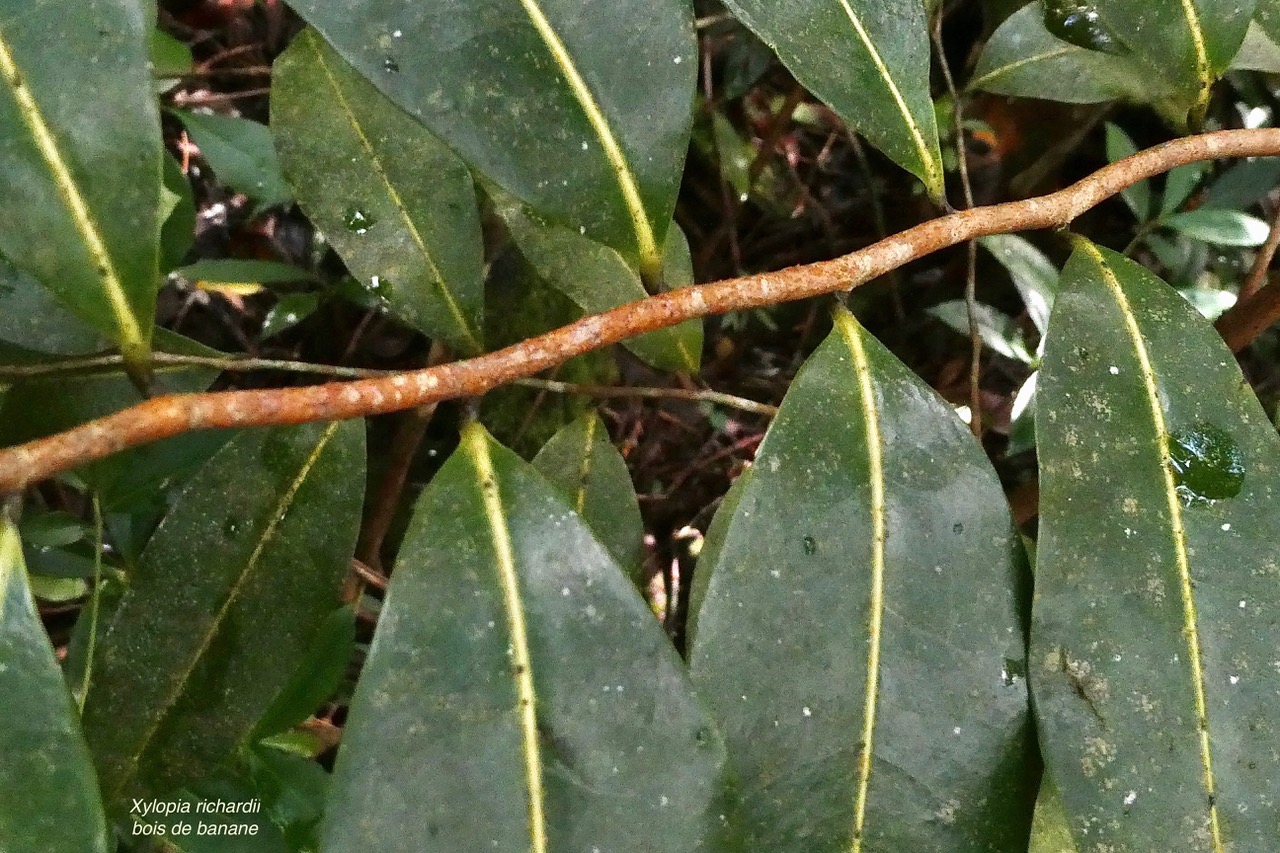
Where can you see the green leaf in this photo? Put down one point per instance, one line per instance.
(317, 677)
(596, 278)
(1049, 830)
(1033, 274)
(1190, 43)
(518, 690)
(997, 329)
(860, 639)
(255, 548)
(1220, 227)
(1023, 59)
(169, 59)
(48, 794)
(178, 212)
(868, 60)
(1258, 51)
(241, 154)
(135, 477)
(80, 152)
(1267, 16)
(1136, 196)
(290, 310)
(1179, 184)
(395, 203)
(1152, 643)
(591, 473)
(34, 322)
(517, 88)
(219, 271)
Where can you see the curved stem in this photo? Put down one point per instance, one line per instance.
(162, 417)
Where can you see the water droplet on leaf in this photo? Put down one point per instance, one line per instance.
(358, 221)
(1080, 24)
(230, 527)
(1207, 464)
(390, 66)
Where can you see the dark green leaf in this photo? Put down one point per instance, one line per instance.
(516, 88)
(1153, 644)
(169, 59)
(218, 271)
(592, 475)
(1220, 227)
(48, 793)
(33, 322)
(1179, 184)
(1137, 196)
(998, 330)
(596, 278)
(317, 677)
(241, 154)
(518, 691)
(1258, 51)
(178, 211)
(80, 159)
(290, 310)
(867, 59)
(396, 204)
(1024, 59)
(231, 591)
(860, 638)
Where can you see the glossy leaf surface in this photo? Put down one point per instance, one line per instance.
(868, 60)
(1152, 646)
(48, 793)
(256, 545)
(596, 278)
(1023, 59)
(860, 638)
(514, 86)
(397, 205)
(518, 690)
(80, 158)
(592, 474)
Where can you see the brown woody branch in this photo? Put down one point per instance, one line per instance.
(163, 417)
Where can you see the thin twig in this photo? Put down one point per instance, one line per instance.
(81, 364)
(1262, 263)
(971, 261)
(696, 395)
(171, 415)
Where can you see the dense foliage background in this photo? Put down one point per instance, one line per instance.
(997, 574)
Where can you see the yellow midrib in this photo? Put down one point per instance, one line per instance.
(131, 337)
(875, 470)
(646, 241)
(932, 168)
(418, 240)
(477, 448)
(1190, 624)
(995, 73)
(276, 518)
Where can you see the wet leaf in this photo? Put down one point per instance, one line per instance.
(596, 278)
(256, 545)
(48, 794)
(593, 476)
(1152, 647)
(516, 87)
(1023, 59)
(395, 203)
(518, 690)
(80, 159)
(869, 61)
(860, 638)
